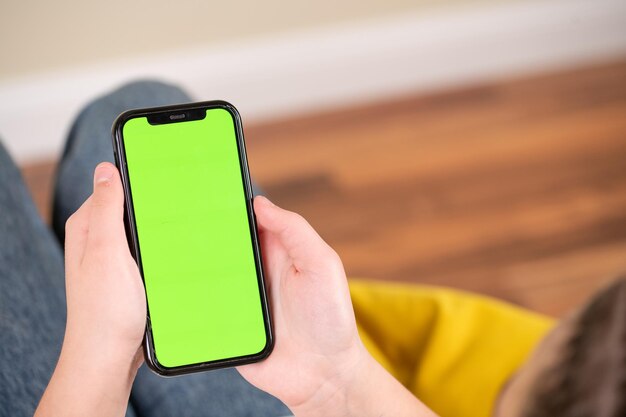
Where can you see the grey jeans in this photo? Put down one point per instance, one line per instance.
(32, 287)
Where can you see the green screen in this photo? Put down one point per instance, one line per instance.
(194, 239)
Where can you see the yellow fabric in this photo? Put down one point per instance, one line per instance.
(453, 350)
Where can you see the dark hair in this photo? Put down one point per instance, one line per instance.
(589, 379)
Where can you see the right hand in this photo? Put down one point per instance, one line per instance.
(318, 351)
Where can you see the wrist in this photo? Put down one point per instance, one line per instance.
(338, 393)
(89, 380)
(103, 365)
(369, 390)
(100, 351)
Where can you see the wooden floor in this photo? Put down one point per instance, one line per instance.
(514, 189)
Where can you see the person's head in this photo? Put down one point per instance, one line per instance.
(579, 369)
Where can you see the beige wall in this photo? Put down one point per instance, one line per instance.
(36, 36)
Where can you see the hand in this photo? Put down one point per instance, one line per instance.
(317, 343)
(106, 304)
(319, 365)
(106, 309)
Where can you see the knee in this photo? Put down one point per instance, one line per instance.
(5, 159)
(150, 92)
(99, 114)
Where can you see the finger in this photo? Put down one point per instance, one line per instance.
(106, 217)
(303, 245)
(76, 230)
(275, 258)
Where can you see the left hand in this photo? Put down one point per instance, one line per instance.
(106, 309)
(106, 302)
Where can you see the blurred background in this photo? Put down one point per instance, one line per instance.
(478, 144)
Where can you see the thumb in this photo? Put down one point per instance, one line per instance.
(106, 217)
(303, 245)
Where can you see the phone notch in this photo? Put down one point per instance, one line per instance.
(176, 116)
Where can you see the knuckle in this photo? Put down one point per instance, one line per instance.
(103, 206)
(99, 199)
(335, 258)
(106, 196)
(298, 219)
(70, 223)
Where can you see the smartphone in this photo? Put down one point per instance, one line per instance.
(191, 228)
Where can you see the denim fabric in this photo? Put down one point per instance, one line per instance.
(89, 142)
(32, 299)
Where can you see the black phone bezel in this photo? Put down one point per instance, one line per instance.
(131, 230)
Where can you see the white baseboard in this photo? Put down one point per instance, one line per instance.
(334, 66)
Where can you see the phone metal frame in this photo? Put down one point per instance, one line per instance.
(131, 234)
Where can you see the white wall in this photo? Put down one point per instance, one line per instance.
(38, 35)
(304, 70)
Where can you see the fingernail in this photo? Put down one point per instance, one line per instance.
(104, 173)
